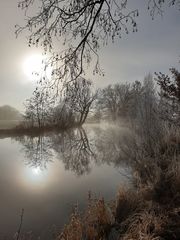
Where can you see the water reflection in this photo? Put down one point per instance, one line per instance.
(74, 149)
(78, 149)
(45, 186)
(37, 151)
(35, 174)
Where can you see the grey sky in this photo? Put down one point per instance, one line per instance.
(155, 47)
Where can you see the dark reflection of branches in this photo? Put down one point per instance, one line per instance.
(74, 149)
(37, 150)
(78, 148)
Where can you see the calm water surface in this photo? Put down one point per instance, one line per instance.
(47, 175)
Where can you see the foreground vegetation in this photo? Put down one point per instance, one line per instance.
(150, 210)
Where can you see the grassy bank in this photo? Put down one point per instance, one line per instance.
(132, 215)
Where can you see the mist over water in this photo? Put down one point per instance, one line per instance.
(46, 175)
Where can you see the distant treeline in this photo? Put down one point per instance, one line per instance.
(159, 96)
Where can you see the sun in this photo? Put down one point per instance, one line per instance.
(33, 66)
(36, 171)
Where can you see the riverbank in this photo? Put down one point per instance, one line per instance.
(148, 211)
(33, 131)
(132, 215)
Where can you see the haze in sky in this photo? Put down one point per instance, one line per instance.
(154, 48)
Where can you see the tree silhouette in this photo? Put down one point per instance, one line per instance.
(79, 97)
(170, 86)
(82, 26)
(115, 100)
(37, 109)
(170, 94)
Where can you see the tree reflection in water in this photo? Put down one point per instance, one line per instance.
(77, 149)
(37, 151)
(74, 148)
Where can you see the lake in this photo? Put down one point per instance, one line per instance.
(47, 175)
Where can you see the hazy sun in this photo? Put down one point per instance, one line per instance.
(36, 170)
(32, 66)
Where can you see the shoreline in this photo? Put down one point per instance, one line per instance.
(33, 131)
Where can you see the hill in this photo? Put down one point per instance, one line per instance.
(9, 113)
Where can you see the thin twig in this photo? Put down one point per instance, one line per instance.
(20, 225)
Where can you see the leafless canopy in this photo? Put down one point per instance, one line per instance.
(82, 26)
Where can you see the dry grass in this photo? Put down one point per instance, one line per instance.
(147, 225)
(130, 216)
(95, 223)
(74, 230)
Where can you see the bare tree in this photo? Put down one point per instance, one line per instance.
(148, 124)
(71, 110)
(136, 93)
(62, 116)
(37, 108)
(83, 26)
(170, 95)
(115, 100)
(79, 97)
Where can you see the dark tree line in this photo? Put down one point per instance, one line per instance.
(123, 100)
(138, 101)
(70, 110)
(170, 94)
(141, 101)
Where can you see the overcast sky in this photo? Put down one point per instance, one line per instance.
(155, 47)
